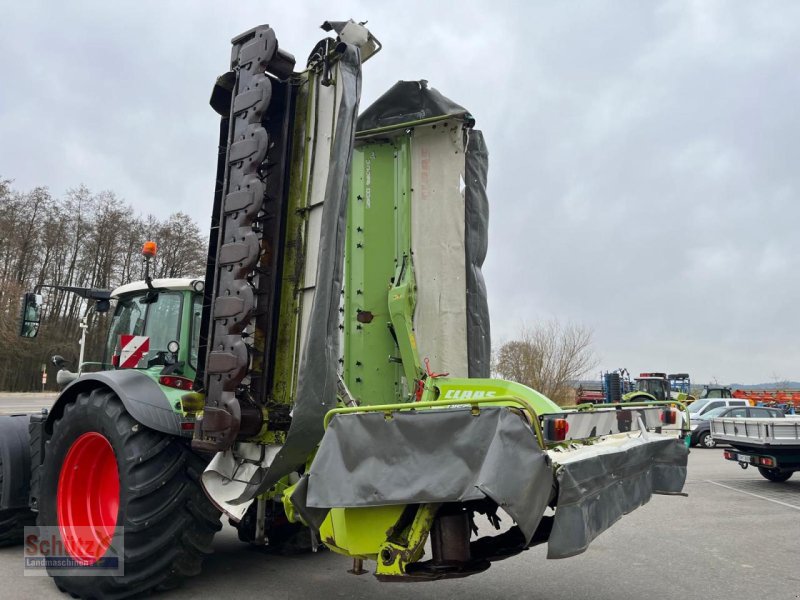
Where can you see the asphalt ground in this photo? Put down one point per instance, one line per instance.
(736, 536)
(11, 403)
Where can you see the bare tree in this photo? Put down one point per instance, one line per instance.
(182, 248)
(82, 239)
(547, 357)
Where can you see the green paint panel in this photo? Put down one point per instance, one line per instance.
(378, 235)
(359, 531)
(452, 388)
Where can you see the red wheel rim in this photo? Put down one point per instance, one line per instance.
(88, 498)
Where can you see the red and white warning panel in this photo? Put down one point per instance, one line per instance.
(134, 347)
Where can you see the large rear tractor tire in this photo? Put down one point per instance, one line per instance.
(12, 525)
(14, 447)
(101, 467)
(775, 475)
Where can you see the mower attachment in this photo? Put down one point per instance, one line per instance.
(417, 470)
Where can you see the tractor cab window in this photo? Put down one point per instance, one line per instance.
(158, 321)
(163, 322)
(654, 387)
(712, 393)
(128, 319)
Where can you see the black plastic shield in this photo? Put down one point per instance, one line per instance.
(318, 380)
(476, 218)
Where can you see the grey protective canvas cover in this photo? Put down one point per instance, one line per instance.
(415, 457)
(450, 455)
(596, 491)
(438, 245)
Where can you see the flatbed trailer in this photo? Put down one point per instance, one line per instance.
(770, 445)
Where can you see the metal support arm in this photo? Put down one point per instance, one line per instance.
(402, 301)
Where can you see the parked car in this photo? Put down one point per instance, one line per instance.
(701, 425)
(706, 403)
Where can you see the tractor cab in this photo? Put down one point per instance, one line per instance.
(715, 391)
(655, 384)
(156, 325)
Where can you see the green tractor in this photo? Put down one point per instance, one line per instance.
(114, 451)
(661, 387)
(328, 378)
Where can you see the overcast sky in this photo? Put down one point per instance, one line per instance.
(644, 160)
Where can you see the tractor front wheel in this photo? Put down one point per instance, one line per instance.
(105, 473)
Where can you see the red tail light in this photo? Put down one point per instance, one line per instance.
(174, 381)
(729, 455)
(766, 461)
(557, 430)
(187, 426)
(669, 416)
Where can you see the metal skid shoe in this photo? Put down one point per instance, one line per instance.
(449, 527)
(454, 555)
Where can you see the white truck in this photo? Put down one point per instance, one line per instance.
(771, 445)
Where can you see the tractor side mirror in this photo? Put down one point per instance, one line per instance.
(31, 315)
(102, 306)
